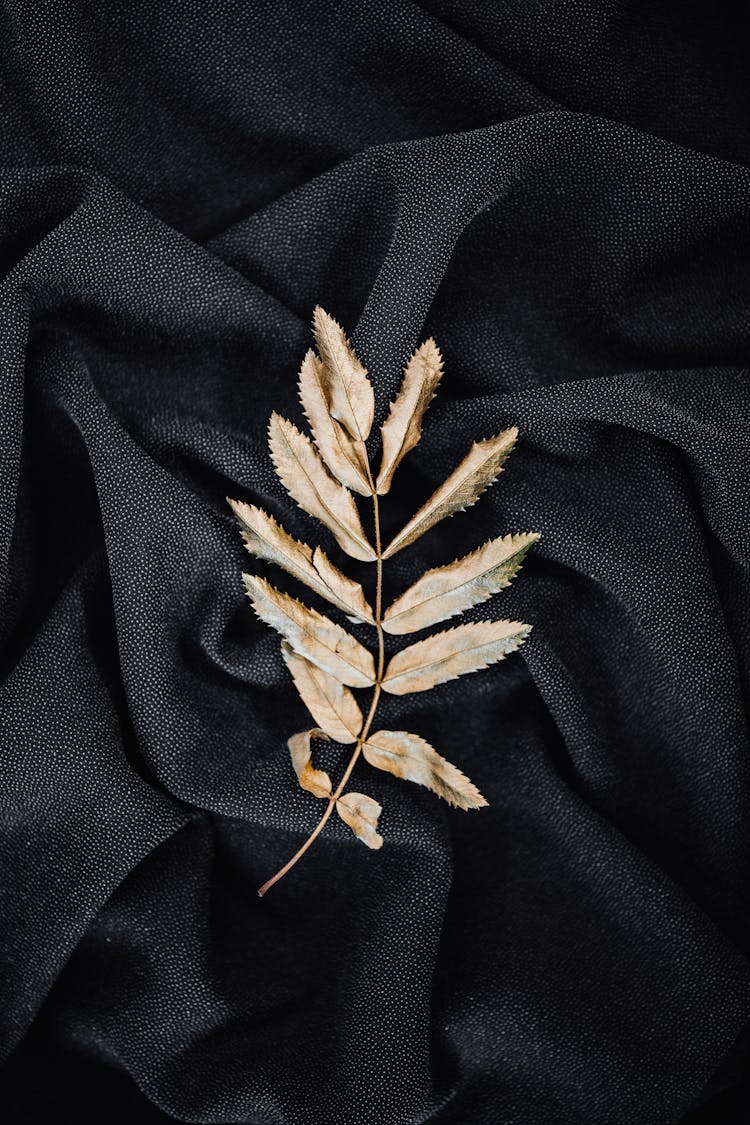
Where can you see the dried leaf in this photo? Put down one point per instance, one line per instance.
(478, 470)
(449, 590)
(348, 593)
(314, 781)
(402, 428)
(346, 458)
(332, 705)
(324, 659)
(452, 653)
(361, 814)
(409, 756)
(311, 634)
(266, 539)
(349, 391)
(306, 479)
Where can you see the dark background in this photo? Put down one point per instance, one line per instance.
(560, 193)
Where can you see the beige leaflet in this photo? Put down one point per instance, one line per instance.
(346, 458)
(303, 474)
(449, 590)
(314, 781)
(409, 756)
(267, 540)
(478, 470)
(402, 428)
(361, 814)
(324, 659)
(330, 702)
(445, 656)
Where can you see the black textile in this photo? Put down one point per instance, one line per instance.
(560, 194)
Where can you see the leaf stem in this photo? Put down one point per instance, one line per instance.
(362, 738)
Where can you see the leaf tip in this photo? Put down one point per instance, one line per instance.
(321, 319)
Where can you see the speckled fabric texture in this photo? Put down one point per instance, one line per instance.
(560, 194)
